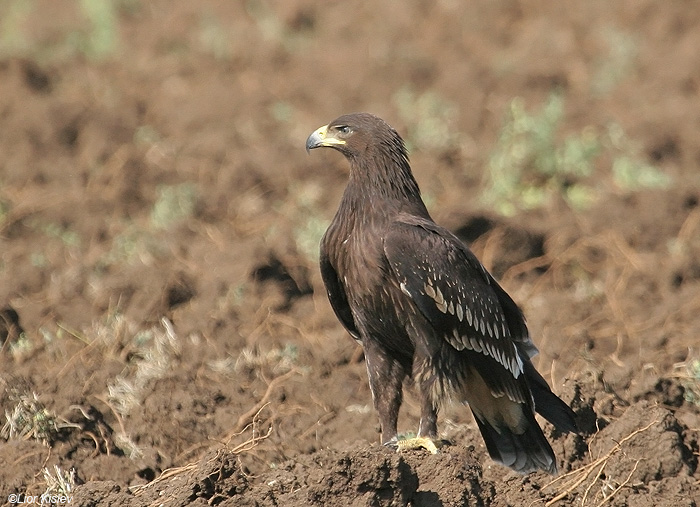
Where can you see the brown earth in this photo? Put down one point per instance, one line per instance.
(159, 221)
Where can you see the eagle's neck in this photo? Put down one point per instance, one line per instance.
(382, 183)
(380, 188)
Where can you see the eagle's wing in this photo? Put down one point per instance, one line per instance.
(336, 294)
(462, 302)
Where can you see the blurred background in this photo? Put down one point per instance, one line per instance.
(160, 219)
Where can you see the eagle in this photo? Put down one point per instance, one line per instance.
(424, 308)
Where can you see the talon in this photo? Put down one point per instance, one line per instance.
(429, 444)
(393, 444)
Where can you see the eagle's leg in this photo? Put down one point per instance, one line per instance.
(427, 430)
(386, 376)
(428, 416)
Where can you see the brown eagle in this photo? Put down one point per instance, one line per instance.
(423, 306)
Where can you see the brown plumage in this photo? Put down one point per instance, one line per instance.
(423, 306)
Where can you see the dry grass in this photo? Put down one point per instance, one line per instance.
(159, 347)
(29, 419)
(688, 374)
(248, 437)
(597, 272)
(250, 418)
(58, 482)
(591, 474)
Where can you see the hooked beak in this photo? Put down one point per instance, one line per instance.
(320, 138)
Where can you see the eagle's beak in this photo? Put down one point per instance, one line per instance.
(320, 138)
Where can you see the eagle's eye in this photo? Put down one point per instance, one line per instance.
(344, 129)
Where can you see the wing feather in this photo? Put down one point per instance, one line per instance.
(336, 294)
(461, 301)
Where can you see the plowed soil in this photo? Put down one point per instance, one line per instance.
(159, 226)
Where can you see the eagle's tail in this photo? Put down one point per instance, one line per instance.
(548, 404)
(523, 452)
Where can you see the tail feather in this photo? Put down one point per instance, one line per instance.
(548, 404)
(524, 452)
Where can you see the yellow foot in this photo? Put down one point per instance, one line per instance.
(420, 443)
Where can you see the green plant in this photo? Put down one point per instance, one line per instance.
(174, 204)
(53, 230)
(308, 226)
(214, 38)
(308, 235)
(280, 360)
(133, 244)
(146, 135)
(97, 36)
(430, 117)
(21, 347)
(282, 111)
(273, 28)
(101, 39)
(689, 374)
(29, 419)
(67, 236)
(630, 172)
(531, 164)
(622, 49)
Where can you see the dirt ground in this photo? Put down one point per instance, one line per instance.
(159, 226)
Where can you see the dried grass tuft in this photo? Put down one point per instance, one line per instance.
(591, 473)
